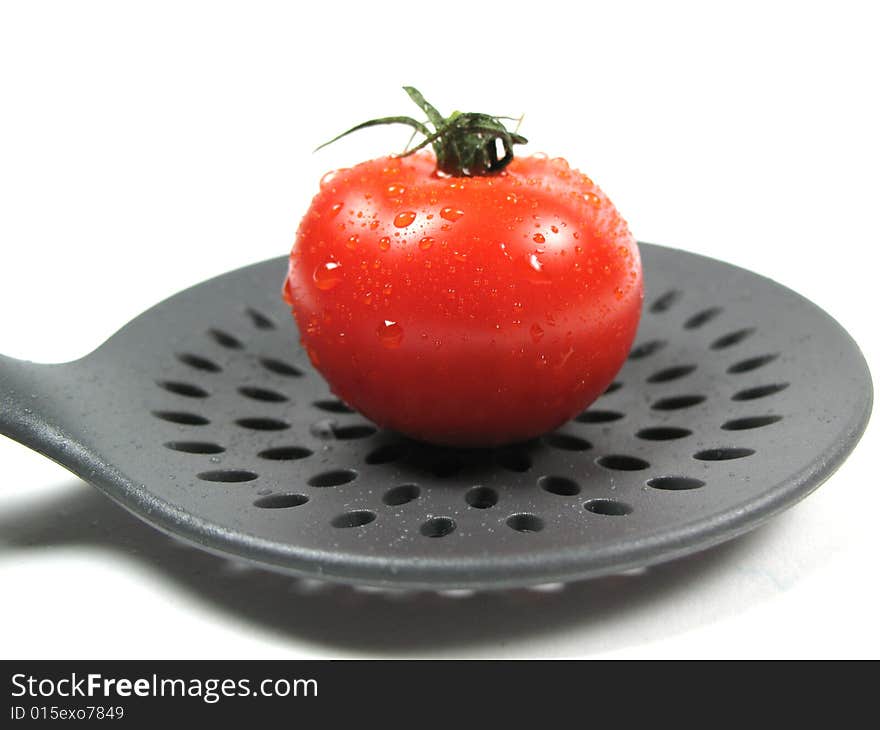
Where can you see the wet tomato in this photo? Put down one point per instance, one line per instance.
(471, 310)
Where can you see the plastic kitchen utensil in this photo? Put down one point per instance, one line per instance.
(204, 418)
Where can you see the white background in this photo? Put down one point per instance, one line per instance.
(147, 146)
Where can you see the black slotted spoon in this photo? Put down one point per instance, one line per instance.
(204, 418)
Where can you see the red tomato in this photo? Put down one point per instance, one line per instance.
(470, 311)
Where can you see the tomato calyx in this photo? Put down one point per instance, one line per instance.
(465, 144)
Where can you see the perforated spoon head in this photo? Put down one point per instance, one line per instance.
(205, 419)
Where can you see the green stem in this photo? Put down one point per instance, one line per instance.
(465, 143)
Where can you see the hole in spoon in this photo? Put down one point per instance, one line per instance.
(743, 424)
(188, 390)
(198, 362)
(195, 447)
(525, 522)
(285, 453)
(358, 431)
(184, 418)
(621, 462)
(562, 486)
(665, 301)
(281, 501)
(760, 391)
(334, 478)
(595, 416)
(481, 497)
(262, 424)
(566, 442)
(404, 494)
(230, 476)
(224, 339)
(752, 363)
(663, 433)
(607, 507)
(701, 318)
(673, 373)
(279, 367)
(677, 402)
(259, 320)
(646, 348)
(438, 527)
(613, 388)
(723, 454)
(731, 339)
(262, 394)
(355, 518)
(675, 483)
(332, 405)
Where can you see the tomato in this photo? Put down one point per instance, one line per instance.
(465, 310)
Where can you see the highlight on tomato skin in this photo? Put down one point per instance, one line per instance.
(471, 309)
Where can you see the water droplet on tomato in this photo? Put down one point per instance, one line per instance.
(287, 292)
(537, 332)
(426, 243)
(554, 229)
(396, 190)
(335, 208)
(535, 270)
(374, 224)
(351, 243)
(591, 198)
(390, 334)
(327, 275)
(404, 218)
(538, 238)
(566, 356)
(451, 214)
(328, 177)
(384, 243)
